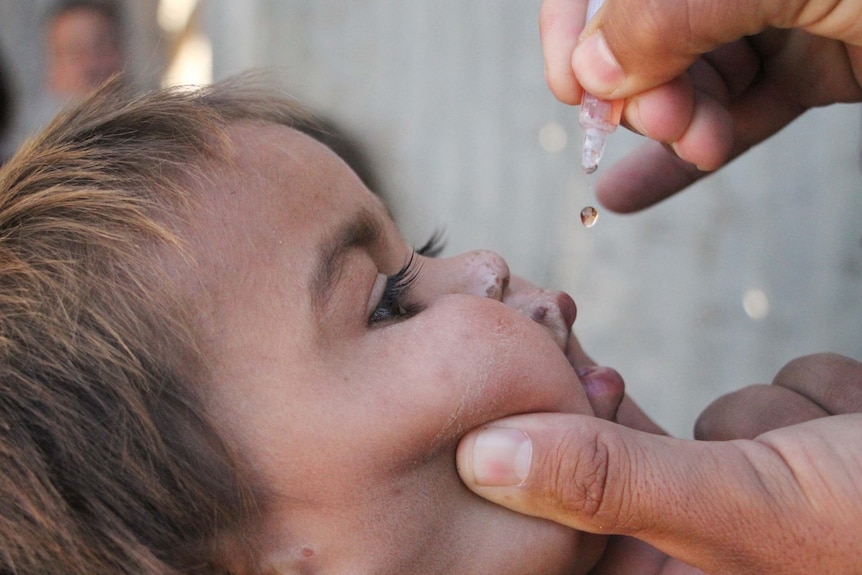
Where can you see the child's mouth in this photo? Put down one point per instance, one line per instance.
(604, 388)
(603, 385)
(556, 312)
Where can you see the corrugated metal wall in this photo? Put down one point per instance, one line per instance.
(450, 100)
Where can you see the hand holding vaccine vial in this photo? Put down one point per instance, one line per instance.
(597, 117)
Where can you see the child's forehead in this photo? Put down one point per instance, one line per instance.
(271, 150)
(261, 141)
(282, 185)
(287, 160)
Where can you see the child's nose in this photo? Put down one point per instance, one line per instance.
(482, 273)
(553, 309)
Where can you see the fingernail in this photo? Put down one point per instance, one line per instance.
(595, 65)
(501, 457)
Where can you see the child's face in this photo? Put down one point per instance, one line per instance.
(352, 422)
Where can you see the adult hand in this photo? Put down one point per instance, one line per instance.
(787, 501)
(807, 388)
(705, 79)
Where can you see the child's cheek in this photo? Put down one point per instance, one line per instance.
(490, 361)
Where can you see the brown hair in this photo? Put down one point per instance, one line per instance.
(108, 463)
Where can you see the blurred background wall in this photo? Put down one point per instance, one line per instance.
(709, 291)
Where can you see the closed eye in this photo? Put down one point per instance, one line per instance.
(395, 300)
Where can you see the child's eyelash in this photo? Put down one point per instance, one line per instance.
(434, 246)
(396, 292)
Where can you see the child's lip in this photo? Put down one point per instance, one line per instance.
(568, 309)
(603, 385)
(604, 388)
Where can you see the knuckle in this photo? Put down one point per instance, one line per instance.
(830, 380)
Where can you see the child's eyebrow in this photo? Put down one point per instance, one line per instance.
(363, 229)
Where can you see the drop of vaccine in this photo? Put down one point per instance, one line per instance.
(589, 215)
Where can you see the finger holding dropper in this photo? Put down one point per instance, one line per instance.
(597, 117)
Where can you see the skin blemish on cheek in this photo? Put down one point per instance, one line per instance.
(297, 559)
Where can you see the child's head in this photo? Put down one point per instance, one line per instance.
(219, 355)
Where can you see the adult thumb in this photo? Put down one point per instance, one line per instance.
(579, 471)
(724, 507)
(631, 46)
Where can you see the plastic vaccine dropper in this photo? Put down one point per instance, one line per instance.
(597, 117)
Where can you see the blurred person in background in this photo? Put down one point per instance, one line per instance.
(83, 47)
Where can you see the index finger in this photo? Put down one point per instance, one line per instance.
(560, 24)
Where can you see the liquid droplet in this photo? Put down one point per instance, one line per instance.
(589, 215)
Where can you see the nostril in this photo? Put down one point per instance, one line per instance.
(493, 291)
(539, 314)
